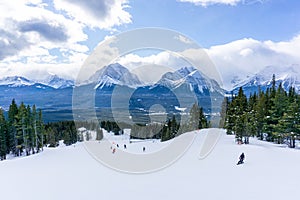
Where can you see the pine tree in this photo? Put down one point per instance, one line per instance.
(274, 112)
(40, 130)
(194, 117)
(21, 136)
(197, 118)
(230, 117)
(224, 109)
(166, 133)
(99, 134)
(288, 125)
(3, 139)
(240, 109)
(12, 129)
(260, 113)
(67, 137)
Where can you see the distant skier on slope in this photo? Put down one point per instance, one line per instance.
(242, 157)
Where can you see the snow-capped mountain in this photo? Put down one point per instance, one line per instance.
(115, 74)
(191, 76)
(16, 81)
(52, 81)
(57, 82)
(288, 76)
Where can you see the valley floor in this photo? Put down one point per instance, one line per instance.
(270, 172)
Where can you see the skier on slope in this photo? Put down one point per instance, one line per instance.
(242, 157)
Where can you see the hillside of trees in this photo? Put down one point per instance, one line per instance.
(273, 115)
(171, 128)
(23, 131)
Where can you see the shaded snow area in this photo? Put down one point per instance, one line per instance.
(270, 172)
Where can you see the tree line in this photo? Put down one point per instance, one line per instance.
(272, 115)
(172, 127)
(23, 132)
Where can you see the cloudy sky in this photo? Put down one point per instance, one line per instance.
(41, 37)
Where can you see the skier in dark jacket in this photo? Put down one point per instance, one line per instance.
(242, 157)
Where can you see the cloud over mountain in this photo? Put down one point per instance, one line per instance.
(103, 14)
(50, 36)
(248, 56)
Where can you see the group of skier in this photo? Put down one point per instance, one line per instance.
(125, 147)
(241, 158)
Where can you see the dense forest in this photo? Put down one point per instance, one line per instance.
(272, 115)
(23, 132)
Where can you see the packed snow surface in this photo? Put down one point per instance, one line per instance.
(270, 172)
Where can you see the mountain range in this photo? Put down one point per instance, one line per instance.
(54, 94)
(116, 74)
(52, 81)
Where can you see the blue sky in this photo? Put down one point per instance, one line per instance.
(38, 38)
(275, 20)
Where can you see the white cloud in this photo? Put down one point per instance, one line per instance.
(247, 56)
(104, 14)
(35, 28)
(165, 58)
(206, 3)
(149, 69)
(36, 37)
(211, 2)
(183, 39)
(237, 59)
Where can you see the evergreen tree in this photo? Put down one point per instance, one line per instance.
(224, 109)
(99, 134)
(166, 133)
(194, 117)
(230, 117)
(12, 129)
(274, 112)
(260, 114)
(288, 125)
(279, 103)
(197, 118)
(21, 136)
(3, 139)
(40, 130)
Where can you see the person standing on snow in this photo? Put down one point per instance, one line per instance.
(242, 157)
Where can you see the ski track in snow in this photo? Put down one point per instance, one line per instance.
(270, 172)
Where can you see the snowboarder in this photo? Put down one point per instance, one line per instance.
(242, 157)
(144, 149)
(118, 145)
(114, 150)
(125, 146)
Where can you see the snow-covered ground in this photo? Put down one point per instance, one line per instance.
(270, 172)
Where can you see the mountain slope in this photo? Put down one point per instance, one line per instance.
(115, 74)
(65, 169)
(288, 76)
(191, 76)
(57, 82)
(16, 81)
(53, 81)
